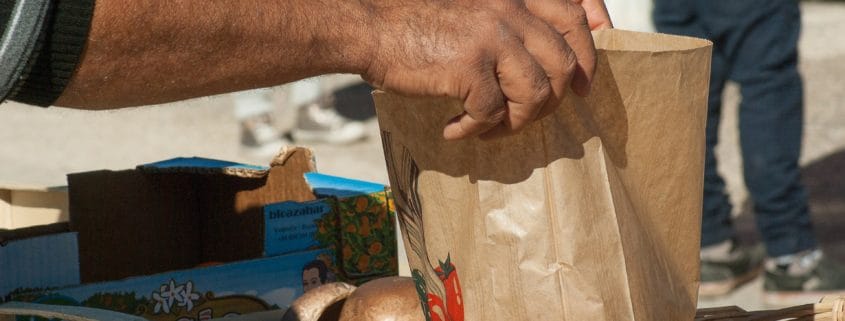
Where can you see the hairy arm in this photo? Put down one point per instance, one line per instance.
(510, 61)
(149, 52)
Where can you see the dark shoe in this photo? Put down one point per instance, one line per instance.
(803, 282)
(720, 277)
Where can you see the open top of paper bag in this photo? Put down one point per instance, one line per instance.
(606, 114)
(624, 40)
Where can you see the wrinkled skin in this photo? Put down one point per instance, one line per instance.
(510, 61)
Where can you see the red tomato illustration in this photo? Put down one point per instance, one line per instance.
(436, 309)
(454, 298)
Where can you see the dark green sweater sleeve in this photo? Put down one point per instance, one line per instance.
(56, 53)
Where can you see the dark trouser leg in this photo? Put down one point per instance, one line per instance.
(771, 125)
(680, 17)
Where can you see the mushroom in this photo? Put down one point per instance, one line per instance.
(386, 299)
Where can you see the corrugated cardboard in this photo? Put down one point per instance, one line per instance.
(180, 213)
(155, 219)
(38, 262)
(184, 214)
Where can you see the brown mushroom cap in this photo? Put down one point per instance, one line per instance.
(312, 305)
(387, 299)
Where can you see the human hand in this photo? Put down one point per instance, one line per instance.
(508, 65)
(597, 16)
(588, 15)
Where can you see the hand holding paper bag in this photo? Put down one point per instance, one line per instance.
(592, 213)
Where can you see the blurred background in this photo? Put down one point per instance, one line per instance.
(334, 116)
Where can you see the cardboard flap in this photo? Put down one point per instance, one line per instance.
(327, 185)
(69, 313)
(199, 165)
(34, 231)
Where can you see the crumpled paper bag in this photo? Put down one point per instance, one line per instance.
(592, 213)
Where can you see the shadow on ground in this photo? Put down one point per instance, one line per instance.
(826, 189)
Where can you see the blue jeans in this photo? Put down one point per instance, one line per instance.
(755, 45)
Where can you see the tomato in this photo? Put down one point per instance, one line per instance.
(454, 297)
(436, 309)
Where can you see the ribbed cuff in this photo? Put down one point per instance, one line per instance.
(57, 53)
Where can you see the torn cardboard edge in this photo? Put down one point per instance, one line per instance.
(206, 166)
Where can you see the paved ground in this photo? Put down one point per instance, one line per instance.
(38, 147)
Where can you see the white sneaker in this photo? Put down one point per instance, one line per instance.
(319, 122)
(259, 138)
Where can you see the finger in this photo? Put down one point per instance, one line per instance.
(597, 14)
(525, 85)
(570, 20)
(484, 107)
(558, 60)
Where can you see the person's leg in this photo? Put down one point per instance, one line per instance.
(771, 124)
(680, 17)
(725, 265)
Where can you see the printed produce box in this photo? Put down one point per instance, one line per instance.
(179, 213)
(197, 294)
(38, 257)
(353, 220)
(185, 213)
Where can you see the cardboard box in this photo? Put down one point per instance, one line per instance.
(169, 215)
(35, 262)
(286, 229)
(352, 220)
(181, 213)
(24, 206)
(192, 295)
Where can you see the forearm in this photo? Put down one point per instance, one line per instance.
(149, 52)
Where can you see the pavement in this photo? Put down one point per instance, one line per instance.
(40, 146)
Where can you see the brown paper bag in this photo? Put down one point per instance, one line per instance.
(592, 213)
